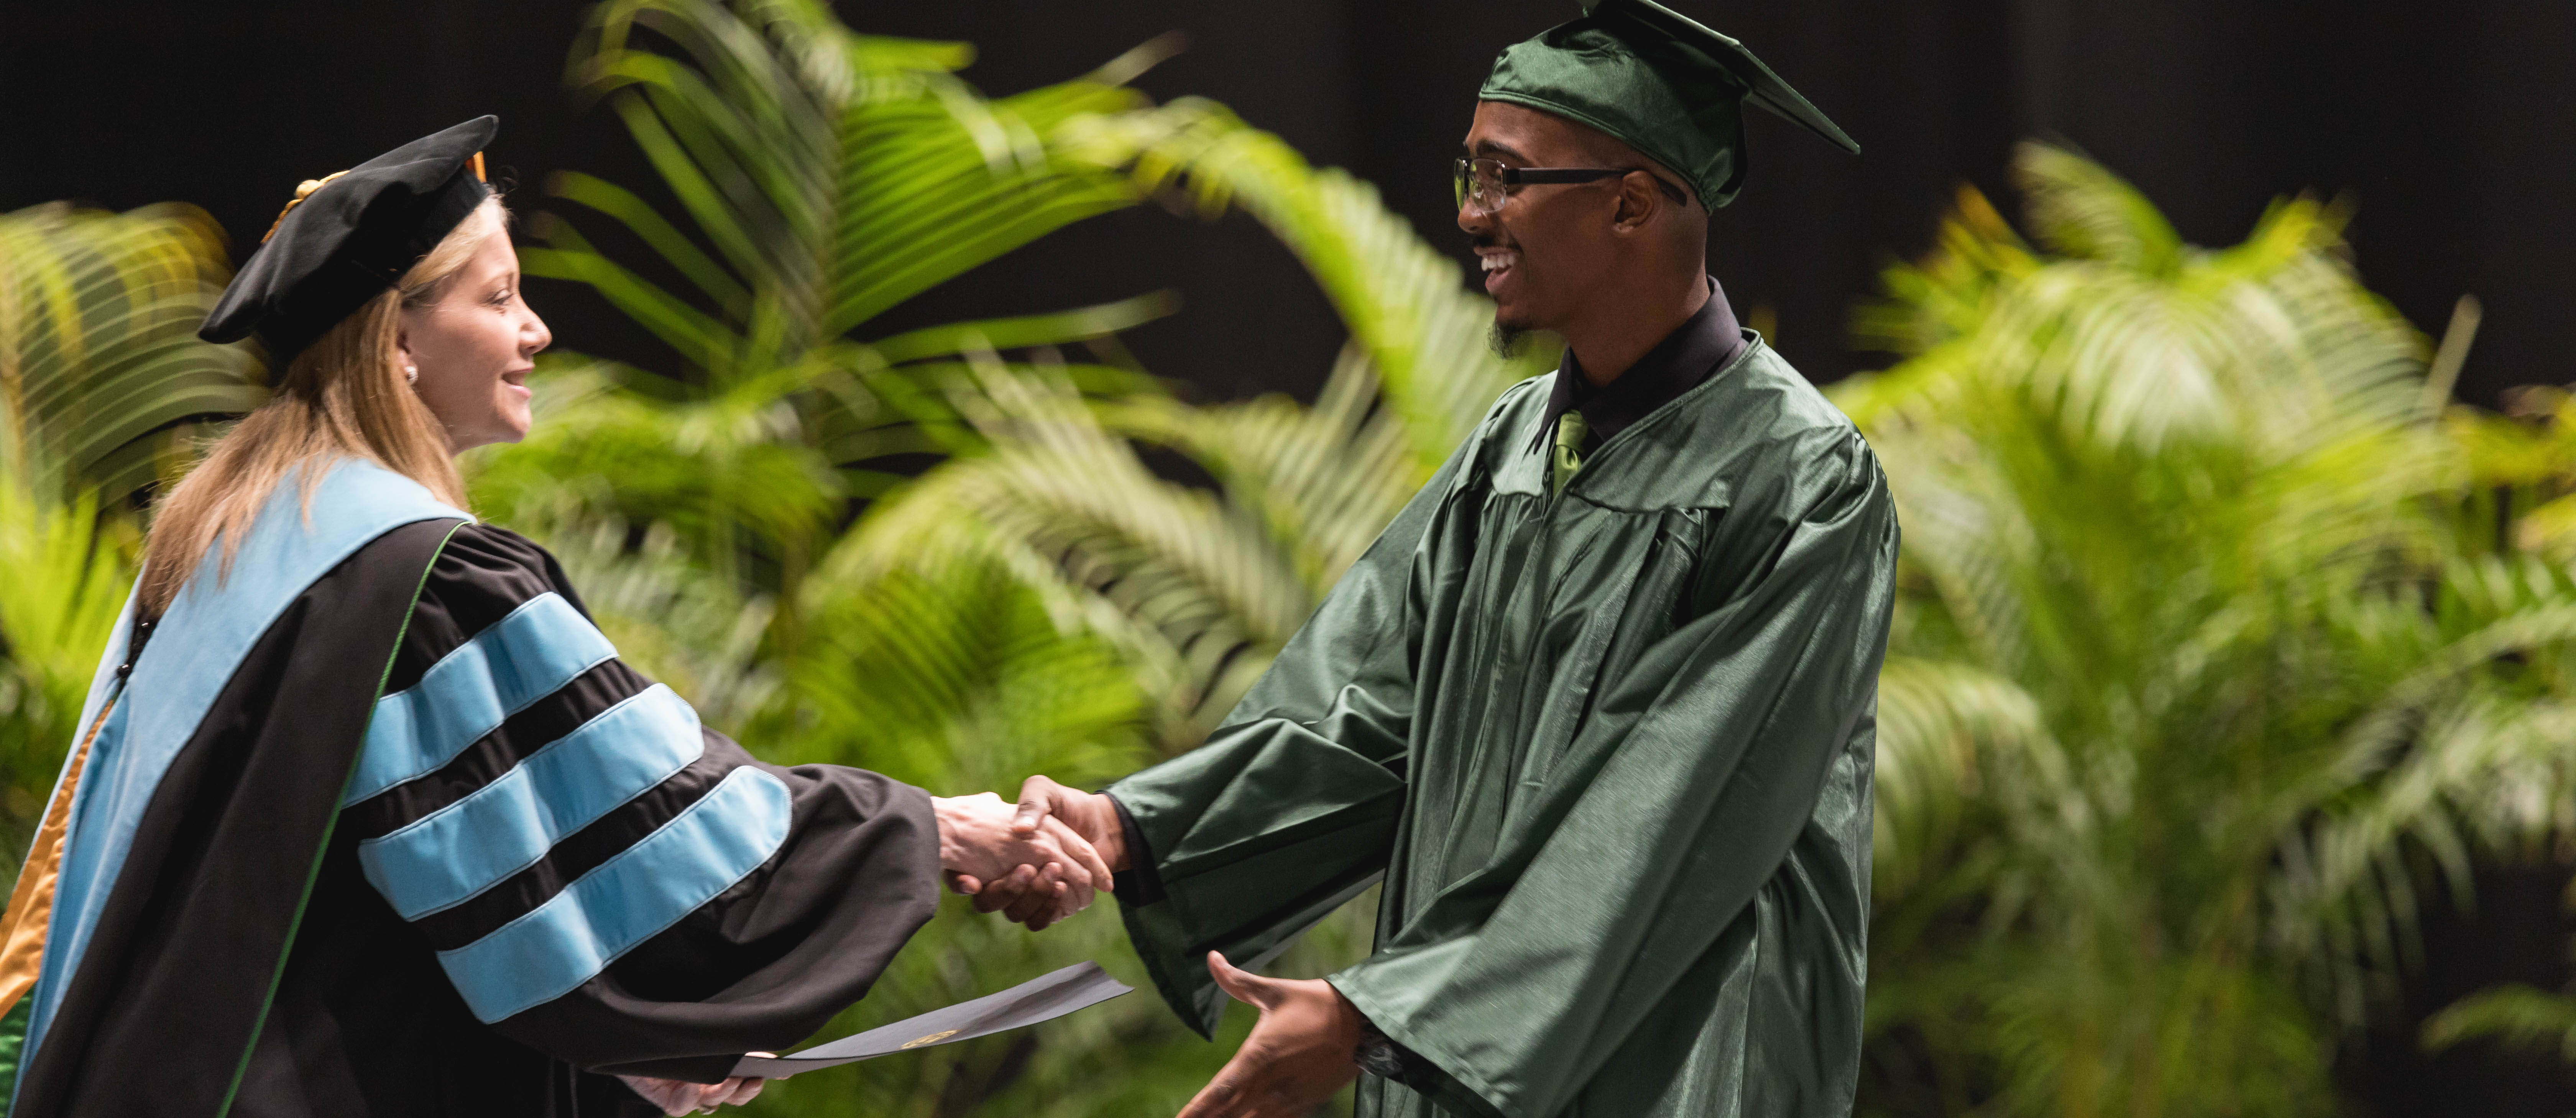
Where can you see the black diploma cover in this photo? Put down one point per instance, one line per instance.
(1044, 998)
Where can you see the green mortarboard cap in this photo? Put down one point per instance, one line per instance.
(1657, 81)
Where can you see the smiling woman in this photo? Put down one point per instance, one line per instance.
(355, 390)
(468, 340)
(366, 817)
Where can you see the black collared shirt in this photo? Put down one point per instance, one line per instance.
(1698, 347)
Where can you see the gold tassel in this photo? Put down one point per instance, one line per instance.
(303, 191)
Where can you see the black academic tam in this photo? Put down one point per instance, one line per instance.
(349, 236)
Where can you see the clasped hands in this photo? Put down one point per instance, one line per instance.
(1036, 875)
(1033, 870)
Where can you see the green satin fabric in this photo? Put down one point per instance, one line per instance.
(1611, 751)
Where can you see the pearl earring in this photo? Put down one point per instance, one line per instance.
(411, 374)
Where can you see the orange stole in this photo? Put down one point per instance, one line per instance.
(31, 904)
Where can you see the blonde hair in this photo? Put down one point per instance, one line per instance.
(344, 396)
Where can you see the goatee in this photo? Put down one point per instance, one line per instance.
(1507, 341)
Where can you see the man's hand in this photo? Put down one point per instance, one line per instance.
(1305, 1048)
(679, 1096)
(1090, 814)
(1046, 804)
(1048, 874)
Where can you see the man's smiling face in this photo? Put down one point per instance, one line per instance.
(1547, 246)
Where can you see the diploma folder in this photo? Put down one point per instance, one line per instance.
(1044, 998)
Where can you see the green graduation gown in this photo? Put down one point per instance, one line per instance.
(1610, 750)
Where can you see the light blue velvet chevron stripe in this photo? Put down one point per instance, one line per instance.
(647, 887)
(460, 850)
(196, 646)
(469, 692)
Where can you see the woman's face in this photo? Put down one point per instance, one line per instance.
(474, 346)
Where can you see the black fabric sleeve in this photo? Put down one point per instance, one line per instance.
(773, 949)
(773, 958)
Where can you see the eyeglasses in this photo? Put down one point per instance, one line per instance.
(1486, 182)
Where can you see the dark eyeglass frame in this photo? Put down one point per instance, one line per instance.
(1462, 178)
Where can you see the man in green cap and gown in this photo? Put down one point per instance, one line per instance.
(1599, 705)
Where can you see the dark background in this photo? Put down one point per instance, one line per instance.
(2452, 126)
(2449, 124)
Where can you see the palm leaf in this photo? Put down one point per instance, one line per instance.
(100, 370)
(821, 177)
(1179, 577)
(69, 572)
(1401, 299)
(1202, 589)
(834, 175)
(2516, 1015)
(98, 349)
(2190, 687)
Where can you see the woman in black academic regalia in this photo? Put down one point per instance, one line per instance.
(367, 818)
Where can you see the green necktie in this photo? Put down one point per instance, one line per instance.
(1568, 458)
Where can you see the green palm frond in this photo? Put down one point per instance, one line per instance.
(2483, 773)
(69, 570)
(733, 470)
(1953, 739)
(825, 176)
(820, 177)
(2191, 684)
(969, 682)
(2529, 455)
(2081, 211)
(2136, 338)
(1183, 579)
(100, 370)
(1402, 300)
(2518, 1016)
(99, 355)
(1321, 480)
(1202, 588)
(668, 618)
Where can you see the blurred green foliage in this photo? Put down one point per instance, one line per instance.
(2211, 658)
(101, 379)
(2223, 635)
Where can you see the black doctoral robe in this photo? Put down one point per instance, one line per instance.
(433, 850)
(1609, 749)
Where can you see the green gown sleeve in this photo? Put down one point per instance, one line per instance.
(1654, 833)
(1289, 809)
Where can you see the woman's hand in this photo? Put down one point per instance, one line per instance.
(1038, 876)
(679, 1096)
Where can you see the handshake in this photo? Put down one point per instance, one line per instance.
(1035, 862)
